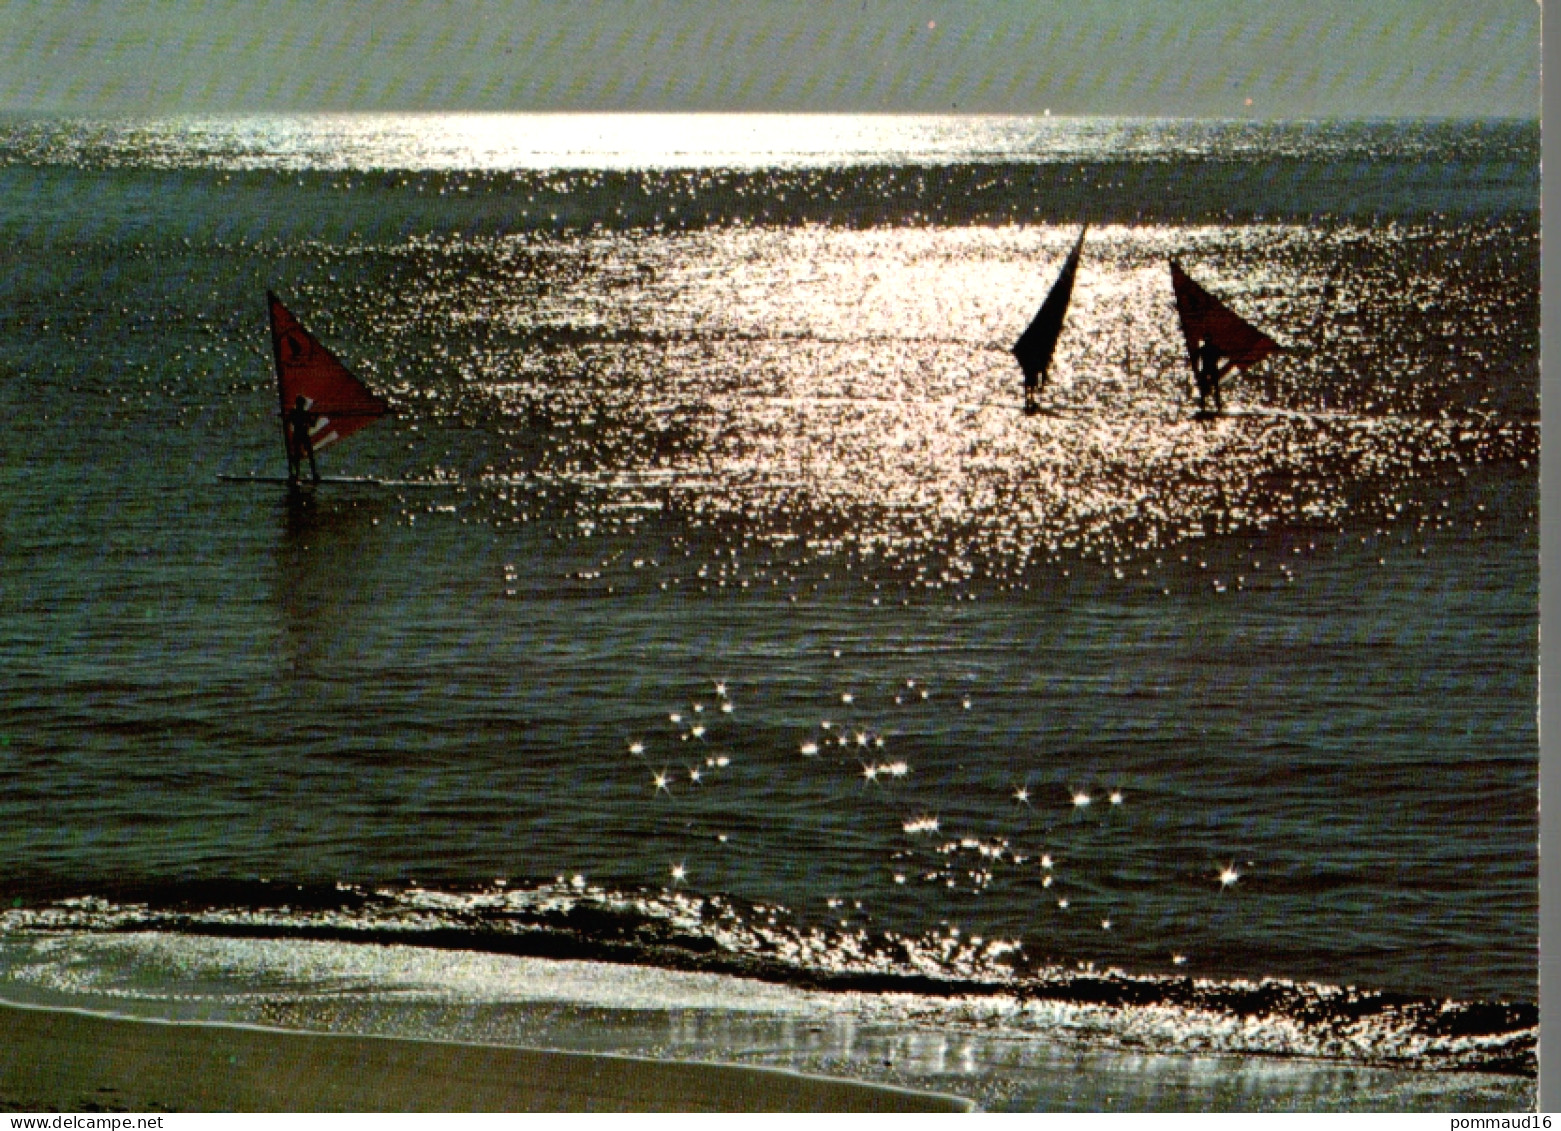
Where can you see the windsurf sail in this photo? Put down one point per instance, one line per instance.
(340, 403)
(1205, 317)
(1036, 345)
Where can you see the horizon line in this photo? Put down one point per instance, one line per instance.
(1041, 115)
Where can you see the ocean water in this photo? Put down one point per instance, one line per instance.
(723, 664)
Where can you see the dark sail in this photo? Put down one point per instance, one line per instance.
(1035, 346)
(1205, 317)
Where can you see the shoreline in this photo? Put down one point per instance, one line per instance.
(66, 1059)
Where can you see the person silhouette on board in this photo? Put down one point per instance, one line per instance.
(300, 422)
(1209, 374)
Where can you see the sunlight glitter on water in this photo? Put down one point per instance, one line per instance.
(855, 388)
(501, 142)
(478, 143)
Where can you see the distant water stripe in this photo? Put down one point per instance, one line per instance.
(508, 142)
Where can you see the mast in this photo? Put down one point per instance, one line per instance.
(273, 304)
(1036, 345)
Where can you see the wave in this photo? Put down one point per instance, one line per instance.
(942, 977)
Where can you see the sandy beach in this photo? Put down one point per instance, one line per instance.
(61, 1060)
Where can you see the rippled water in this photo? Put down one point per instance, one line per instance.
(716, 556)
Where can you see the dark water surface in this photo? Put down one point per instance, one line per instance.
(711, 474)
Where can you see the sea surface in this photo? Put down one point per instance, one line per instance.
(721, 664)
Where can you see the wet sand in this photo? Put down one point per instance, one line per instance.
(62, 1060)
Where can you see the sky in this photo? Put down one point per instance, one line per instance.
(1183, 58)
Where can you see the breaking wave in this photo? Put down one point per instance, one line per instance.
(942, 977)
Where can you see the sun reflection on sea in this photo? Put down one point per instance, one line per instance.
(855, 389)
(502, 142)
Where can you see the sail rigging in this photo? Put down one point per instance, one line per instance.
(1206, 318)
(1036, 345)
(338, 401)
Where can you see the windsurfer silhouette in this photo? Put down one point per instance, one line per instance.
(1036, 345)
(1210, 374)
(299, 423)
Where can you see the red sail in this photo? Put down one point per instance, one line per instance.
(1204, 316)
(305, 368)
